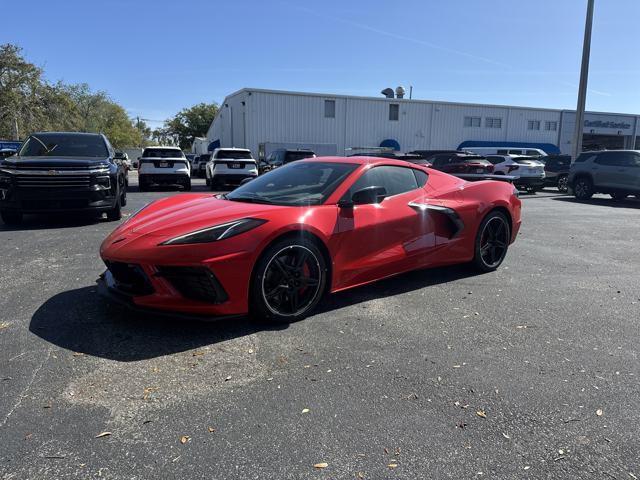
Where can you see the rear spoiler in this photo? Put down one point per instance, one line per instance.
(476, 177)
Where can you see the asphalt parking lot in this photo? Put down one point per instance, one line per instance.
(528, 372)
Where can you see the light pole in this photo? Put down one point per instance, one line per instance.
(584, 78)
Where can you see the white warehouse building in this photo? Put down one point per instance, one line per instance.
(263, 120)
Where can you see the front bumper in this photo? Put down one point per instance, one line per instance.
(111, 293)
(41, 200)
(156, 285)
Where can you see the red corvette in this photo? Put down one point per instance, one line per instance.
(274, 246)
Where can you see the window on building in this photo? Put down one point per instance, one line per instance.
(533, 125)
(551, 126)
(329, 109)
(471, 121)
(493, 122)
(394, 111)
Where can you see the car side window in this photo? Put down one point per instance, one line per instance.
(495, 160)
(395, 180)
(615, 159)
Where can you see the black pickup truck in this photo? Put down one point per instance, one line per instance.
(62, 172)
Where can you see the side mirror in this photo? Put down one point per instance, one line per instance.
(135, 164)
(366, 196)
(119, 156)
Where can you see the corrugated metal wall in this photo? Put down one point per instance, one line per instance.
(285, 117)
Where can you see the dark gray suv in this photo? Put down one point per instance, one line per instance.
(615, 172)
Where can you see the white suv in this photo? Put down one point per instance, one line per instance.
(230, 166)
(529, 172)
(163, 166)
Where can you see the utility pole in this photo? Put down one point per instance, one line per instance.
(584, 78)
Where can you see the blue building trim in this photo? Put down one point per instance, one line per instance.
(550, 148)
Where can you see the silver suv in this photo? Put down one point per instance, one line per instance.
(616, 172)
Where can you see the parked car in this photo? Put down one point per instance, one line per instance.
(62, 172)
(283, 156)
(457, 162)
(274, 246)
(230, 166)
(407, 157)
(123, 159)
(528, 170)
(556, 169)
(614, 172)
(200, 165)
(163, 166)
(529, 152)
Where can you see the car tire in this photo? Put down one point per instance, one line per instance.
(208, 182)
(288, 282)
(583, 188)
(115, 213)
(563, 183)
(492, 242)
(187, 185)
(214, 184)
(619, 197)
(123, 198)
(11, 218)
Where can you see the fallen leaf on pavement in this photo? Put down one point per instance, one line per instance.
(506, 436)
(78, 354)
(184, 439)
(4, 325)
(305, 410)
(392, 465)
(228, 378)
(198, 353)
(321, 465)
(211, 429)
(599, 412)
(103, 434)
(481, 413)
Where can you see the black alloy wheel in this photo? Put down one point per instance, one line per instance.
(563, 183)
(289, 281)
(492, 242)
(583, 188)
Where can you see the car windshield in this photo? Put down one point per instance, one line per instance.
(233, 154)
(64, 145)
(299, 183)
(162, 153)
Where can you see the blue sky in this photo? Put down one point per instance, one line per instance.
(156, 57)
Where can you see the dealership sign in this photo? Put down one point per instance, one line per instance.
(611, 125)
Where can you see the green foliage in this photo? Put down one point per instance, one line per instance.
(29, 103)
(188, 124)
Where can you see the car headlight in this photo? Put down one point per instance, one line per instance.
(217, 232)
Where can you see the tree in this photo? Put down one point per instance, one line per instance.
(190, 123)
(29, 103)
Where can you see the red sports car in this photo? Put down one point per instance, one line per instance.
(274, 246)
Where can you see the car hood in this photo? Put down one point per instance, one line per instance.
(54, 162)
(186, 213)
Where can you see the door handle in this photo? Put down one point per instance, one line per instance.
(456, 222)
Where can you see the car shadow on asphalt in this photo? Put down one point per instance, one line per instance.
(404, 283)
(82, 321)
(603, 202)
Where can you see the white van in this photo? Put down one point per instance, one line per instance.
(163, 166)
(529, 152)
